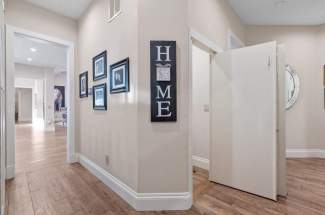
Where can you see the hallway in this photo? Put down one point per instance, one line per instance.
(36, 149)
(45, 184)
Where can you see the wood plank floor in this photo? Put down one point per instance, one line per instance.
(46, 185)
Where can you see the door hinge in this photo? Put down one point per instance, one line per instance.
(269, 64)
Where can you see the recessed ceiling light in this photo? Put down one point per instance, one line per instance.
(29, 59)
(33, 49)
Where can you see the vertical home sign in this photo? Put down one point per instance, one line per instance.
(163, 81)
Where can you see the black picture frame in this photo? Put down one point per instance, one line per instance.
(96, 88)
(96, 59)
(121, 69)
(83, 94)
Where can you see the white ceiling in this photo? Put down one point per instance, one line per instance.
(69, 8)
(280, 12)
(47, 54)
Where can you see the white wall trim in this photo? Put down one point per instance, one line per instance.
(305, 153)
(205, 41)
(201, 162)
(139, 201)
(235, 37)
(10, 76)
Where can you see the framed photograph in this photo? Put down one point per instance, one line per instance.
(119, 76)
(100, 97)
(59, 97)
(83, 85)
(100, 66)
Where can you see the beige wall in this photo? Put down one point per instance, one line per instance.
(25, 15)
(214, 19)
(305, 121)
(112, 132)
(163, 147)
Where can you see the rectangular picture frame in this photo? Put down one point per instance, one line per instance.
(83, 85)
(100, 97)
(119, 76)
(100, 66)
(163, 80)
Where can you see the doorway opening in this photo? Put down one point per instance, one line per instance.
(200, 129)
(227, 117)
(201, 53)
(40, 86)
(40, 113)
(23, 105)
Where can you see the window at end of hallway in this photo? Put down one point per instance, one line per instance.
(114, 9)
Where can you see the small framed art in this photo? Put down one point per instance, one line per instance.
(83, 85)
(100, 66)
(119, 76)
(100, 97)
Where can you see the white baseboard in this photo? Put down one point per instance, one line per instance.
(25, 120)
(139, 201)
(305, 153)
(10, 172)
(200, 162)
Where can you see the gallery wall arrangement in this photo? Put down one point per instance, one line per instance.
(163, 81)
(118, 79)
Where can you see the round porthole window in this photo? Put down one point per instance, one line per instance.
(292, 83)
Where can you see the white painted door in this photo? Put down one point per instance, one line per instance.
(2, 111)
(243, 122)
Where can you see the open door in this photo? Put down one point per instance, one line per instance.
(243, 122)
(2, 111)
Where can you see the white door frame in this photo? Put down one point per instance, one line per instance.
(232, 35)
(10, 77)
(206, 42)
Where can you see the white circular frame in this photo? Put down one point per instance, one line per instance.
(296, 81)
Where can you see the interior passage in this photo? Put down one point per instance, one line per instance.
(45, 184)
(37, 149)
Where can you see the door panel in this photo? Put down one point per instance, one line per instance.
(2, 110)
(244, 119)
